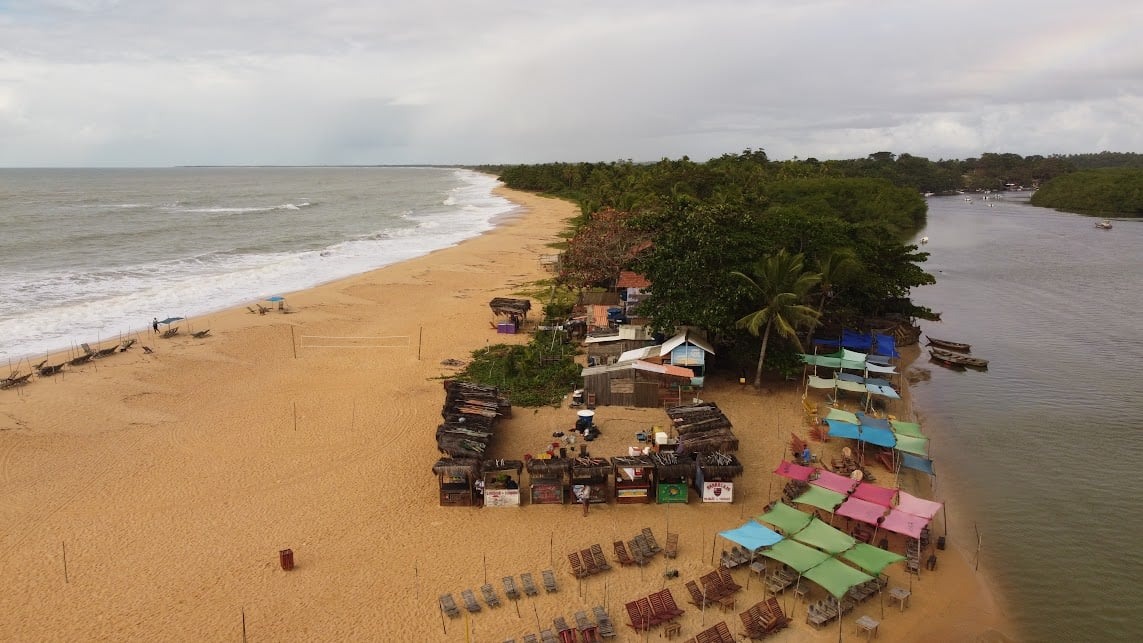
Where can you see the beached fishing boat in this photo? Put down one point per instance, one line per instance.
(1103, 225)
(947, 363)
(948, 345)
(958, 358)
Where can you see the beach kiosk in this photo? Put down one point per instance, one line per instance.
(715, 474)
(501, 482)
(548, 480)
(674, 474)
(590, 476)
(457, 477)
(634, 479)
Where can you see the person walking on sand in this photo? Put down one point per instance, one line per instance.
(155, 325)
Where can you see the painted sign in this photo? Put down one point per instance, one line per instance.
(672, 492)
(501, 497)
(718, 492)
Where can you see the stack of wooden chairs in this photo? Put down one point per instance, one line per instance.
(718, 633)
(587, 562)
(652, 610)
(718, 587)
(764, 619)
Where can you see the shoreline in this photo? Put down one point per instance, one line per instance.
(171, 480)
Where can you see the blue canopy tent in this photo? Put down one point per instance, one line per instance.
(752, 536)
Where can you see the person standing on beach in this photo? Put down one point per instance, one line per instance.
(155, 325)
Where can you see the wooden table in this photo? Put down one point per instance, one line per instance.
(672, 629)
(901, 595)
(868, 625)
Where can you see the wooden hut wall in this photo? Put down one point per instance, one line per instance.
(626, 387)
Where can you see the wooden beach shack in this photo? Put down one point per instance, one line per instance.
(457, 477)
(636, 383)
(634, 479)
(548, 480)
(674, 475)
(590, 476)
(702, 427)
(715, 476)
(605, 347)
(688, 349)
(515, 310)
(501, 482)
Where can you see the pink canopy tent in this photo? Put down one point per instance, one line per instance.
(873, 493)
(863, 510)
(794, 471)
(917, 506)
(900, 522)
(833, 482)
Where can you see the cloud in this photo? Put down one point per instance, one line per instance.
(132, 82)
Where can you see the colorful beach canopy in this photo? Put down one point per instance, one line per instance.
(826, 538)
(872, 559)
(798, 556)
(794, 471)
(900, 522)
(918, 464)
(867, 512)
(873, 493)
(752, 536)
(876, 343)
(786, 518)
(836, 577)
(918, 506)
(821, 498)
(834, 482)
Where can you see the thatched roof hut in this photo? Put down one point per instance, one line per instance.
(457, 467)
(470, 412)
(510, 307)
(702, 428)
(673, 466)
(719, 466)
(590, 467)
(548, 467)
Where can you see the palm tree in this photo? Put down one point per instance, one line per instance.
(780, 286)
(836, 267)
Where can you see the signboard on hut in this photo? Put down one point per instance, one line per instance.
(718, 492)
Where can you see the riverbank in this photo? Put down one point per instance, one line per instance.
(146, 496)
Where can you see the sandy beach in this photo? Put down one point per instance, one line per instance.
(145, 497)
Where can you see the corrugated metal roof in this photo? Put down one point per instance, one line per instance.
(638, 353)
(628, 279)
(640, 365)
(687, 336)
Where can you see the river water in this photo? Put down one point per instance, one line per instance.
(1043, 452)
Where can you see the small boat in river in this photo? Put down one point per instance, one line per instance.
(957, 358)
(1103, 225)
(948, 345)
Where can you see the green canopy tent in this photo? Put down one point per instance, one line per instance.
(798, 556)
(824, 537)
(872, 559)
(786, 518)
(821, 498)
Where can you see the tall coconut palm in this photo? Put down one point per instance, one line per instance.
(780, 285)
(836, 267)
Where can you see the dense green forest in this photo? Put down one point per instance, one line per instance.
(769, 253)
(1107, 192)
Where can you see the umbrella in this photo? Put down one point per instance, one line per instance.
(170, 320)
(275, 298)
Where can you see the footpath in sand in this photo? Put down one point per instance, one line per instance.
(145, 497)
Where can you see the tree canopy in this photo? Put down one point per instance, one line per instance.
(1107, 192)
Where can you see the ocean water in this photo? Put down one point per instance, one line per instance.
(1044, 451)
(90, 254)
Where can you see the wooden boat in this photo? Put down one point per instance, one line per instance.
(947, 363)
(958, 358)
(948, 345)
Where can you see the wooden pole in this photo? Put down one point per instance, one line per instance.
(293, 342)
(420, 334)
(64, 545)
(537, 614)
(243, 625)
(486, 568)
(295, 416)
(839, 615)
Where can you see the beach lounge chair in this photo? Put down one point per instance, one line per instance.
(563, 630)
(252, 311)
(510, 588)
(639, 550)
(773, 618)
(698, 596)
(588, 631)
(603, 619)
(649, 538)
(200, 334)
(490, 596)
(621, 554)
(76, 361)
(588, 560)
(600, 560)
(148, 350)
(47, 371)
(104, 352)
(637, 619)
(578, 569)
(663, 605)
(728, 581)
(470, 603)
(448, 606)
(170, 332)
(531, 638)
(548, 636)
(549, 581)
(671, 549)
(752, 625)
(529, 584)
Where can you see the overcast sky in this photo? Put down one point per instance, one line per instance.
(158, 83)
